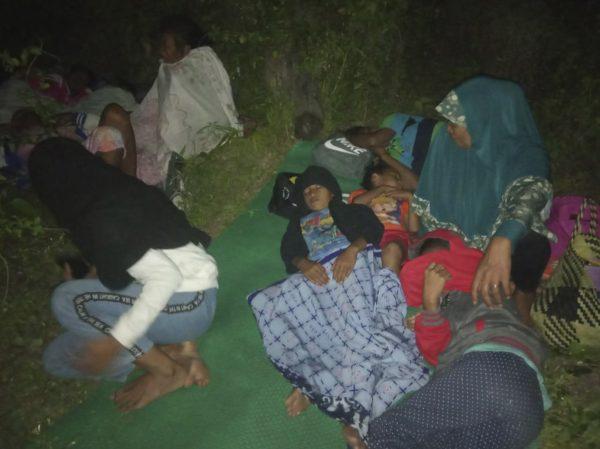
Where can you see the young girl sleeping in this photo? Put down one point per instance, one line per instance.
(335, 327)
(324, 224)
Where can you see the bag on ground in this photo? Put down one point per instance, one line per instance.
(282, 200)
(567, 308)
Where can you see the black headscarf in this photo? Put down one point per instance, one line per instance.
(113, 218)
(353, 220)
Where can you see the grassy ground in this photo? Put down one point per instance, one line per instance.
(368, 59)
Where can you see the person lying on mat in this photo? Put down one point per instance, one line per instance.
(385, 193)
(401, 141)
(335, 326)
(109, 135)
(325, 222)
(128, 231)
(487, 391)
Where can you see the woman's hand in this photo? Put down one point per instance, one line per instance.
(492, 279)
(344, 264)
(314, 271)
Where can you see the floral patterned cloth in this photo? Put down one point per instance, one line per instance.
(451, 109)
(527, 200)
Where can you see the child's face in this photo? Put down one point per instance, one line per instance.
(388, 178)
(169, 51)
(317, 197)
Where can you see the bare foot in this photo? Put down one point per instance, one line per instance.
(352, 438)
(186, 354)
(148, 388)
(198, 372)
(296, 402)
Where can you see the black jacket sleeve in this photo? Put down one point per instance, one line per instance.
(358, 220)
(292, 245)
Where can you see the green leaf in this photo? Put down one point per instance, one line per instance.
(22, 208)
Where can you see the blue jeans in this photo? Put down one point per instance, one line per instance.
(88, 310)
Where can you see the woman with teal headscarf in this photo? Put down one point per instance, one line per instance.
(486, 178)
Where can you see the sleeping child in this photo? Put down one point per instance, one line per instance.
(386, 195)
(335, 327)
(323, 224)
(487, 392)
(440, 247)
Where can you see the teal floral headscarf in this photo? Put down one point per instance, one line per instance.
(462, 189)
(451, 109)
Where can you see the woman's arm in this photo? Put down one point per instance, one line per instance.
(520, 210)
(160, 278)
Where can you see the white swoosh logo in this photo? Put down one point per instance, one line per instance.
(354, 150)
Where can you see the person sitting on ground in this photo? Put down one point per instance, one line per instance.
(87, 309)
(109, 136)
(338, 279)
(128, 231)
(486, 178)
(385, 194)
(189, 109)
(487, 391)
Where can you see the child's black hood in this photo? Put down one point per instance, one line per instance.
(353, 220)
(311, 176)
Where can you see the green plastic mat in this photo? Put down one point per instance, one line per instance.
(243, 407)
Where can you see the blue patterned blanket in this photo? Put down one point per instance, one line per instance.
(344, 345)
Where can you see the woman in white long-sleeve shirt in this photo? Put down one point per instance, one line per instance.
(129, 232)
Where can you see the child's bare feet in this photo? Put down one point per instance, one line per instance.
(391, 256)
(147, 388)
(186, 354)
(436, 277)
(352, 438)
(296, 402)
